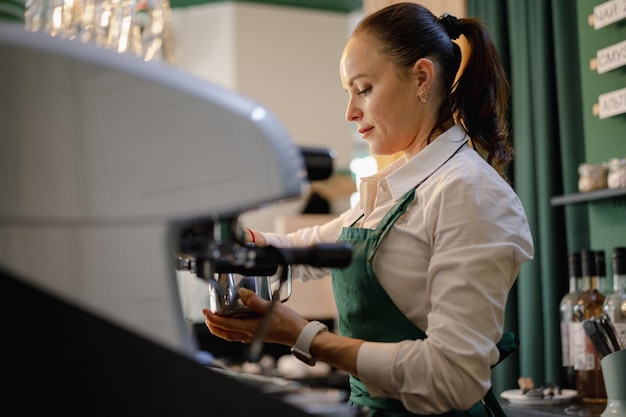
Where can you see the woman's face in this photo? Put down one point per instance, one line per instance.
(385, 107)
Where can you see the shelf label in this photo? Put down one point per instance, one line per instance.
(610, 104)
(610, 58)
(608, 12)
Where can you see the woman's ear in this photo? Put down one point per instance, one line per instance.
(424, 71)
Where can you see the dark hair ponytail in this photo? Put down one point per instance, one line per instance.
(481, 97)
(407, 32)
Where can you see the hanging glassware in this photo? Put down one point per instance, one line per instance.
(139, 27)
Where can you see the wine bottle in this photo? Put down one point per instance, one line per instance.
(615, 302)
(589, 379)
(566, 311)
(600, 262)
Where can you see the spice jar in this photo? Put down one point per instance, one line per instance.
(591, 177)
(616, 177)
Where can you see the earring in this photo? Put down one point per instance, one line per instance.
(423, 96)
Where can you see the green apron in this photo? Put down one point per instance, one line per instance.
(366, 312)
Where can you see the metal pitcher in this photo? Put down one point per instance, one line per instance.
(220, 294)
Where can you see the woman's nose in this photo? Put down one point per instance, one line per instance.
(353, 113)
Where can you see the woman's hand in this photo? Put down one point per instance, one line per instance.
(284, 328)
(284, 325)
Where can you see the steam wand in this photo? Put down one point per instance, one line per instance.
(256, 346)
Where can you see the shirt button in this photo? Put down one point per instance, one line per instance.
(383, 188)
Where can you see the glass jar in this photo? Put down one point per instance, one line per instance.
(592, 177)
(616, 177)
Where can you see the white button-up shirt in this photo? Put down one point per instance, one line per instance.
(448, 263)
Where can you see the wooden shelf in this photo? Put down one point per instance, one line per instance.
(561, 200)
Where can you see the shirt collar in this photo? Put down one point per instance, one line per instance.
(403, 175)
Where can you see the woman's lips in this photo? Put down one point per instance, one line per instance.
(365, 131)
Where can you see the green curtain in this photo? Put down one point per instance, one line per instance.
(537, 40)
(12, 10)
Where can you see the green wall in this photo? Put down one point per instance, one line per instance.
(604, 138)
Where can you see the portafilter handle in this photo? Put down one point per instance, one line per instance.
(264, 261)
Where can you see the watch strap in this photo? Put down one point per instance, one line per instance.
(301, 349)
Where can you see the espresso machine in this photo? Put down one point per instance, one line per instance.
(112, 171)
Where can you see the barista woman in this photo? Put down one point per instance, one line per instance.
(438, 237)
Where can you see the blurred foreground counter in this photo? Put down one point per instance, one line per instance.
(571, 409)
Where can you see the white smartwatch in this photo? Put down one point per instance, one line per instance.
(301, 349)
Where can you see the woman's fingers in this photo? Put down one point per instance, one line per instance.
(228, 335)
(284, 323)
(253, 301)
(231, 329)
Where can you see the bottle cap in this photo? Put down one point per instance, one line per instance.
(588, 261)
(574, 265)
(619, 261)
(600, 263)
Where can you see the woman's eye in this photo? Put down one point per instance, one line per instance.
(365, 91)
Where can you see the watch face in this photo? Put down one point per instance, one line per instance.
(304, 357)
